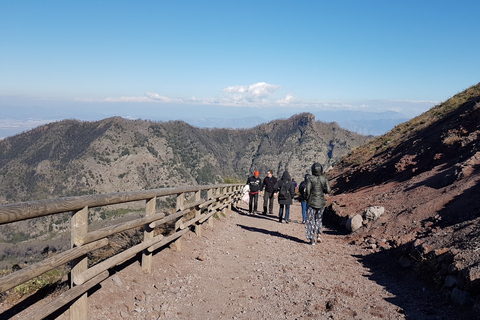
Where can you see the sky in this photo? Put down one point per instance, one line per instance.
(233, 63)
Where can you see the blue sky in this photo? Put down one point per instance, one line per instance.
(189, 60)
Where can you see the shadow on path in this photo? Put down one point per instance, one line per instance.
(416, 298)
(272, 233)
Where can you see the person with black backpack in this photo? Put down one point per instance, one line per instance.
(286, 191)
(302, 190)
(317, 186)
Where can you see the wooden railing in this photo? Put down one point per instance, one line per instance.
(83, 241)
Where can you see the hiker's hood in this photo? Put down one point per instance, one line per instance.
(286, 176)
(317, 169)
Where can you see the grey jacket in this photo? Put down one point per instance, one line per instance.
(317, 186)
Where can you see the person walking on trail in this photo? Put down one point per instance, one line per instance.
(286, 191)
(268, 195)
(255, 185)
(302, 197)
(317, 186)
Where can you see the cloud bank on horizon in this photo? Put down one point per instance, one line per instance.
(266, 95)
(238, 106)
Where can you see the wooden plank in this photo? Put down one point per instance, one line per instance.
(148, 235)
(114, 260)
(177, 245)
(212, 211)
(167, 240)
(14, 279)
(184, 225)
(212, 200)
(38, 208)
(180, 201)
(78, 310)
(207, 216)
(169, 218)
(218, 207)
(43, 311)
(210, 195)
(120, 227)
(207, 203)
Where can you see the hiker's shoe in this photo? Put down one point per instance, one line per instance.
(303, 222)
(319, 238)
(312, 242)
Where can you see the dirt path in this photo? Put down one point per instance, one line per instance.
(252, 267)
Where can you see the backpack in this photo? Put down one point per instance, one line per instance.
(283, 194)
(302, 188)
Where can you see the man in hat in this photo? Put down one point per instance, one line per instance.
(255, 184)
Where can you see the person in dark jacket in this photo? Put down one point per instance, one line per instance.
(302, 190)
(286, 191)
(317, 186)
(268, 195)
(255, 184)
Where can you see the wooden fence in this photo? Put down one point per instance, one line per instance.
(83, 241)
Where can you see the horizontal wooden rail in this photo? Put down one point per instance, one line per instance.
(167, 240)
(47, 309)
(14, 279)
(115, 260)
(117, 228)
(39, 208)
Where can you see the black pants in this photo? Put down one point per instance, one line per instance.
(268, 196)
(253, 202)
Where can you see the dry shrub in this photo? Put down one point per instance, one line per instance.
(452, 139)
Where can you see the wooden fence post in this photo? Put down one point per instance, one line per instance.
(180, 206)
(210, 196)
(224, 191)
(147, 235)
(234, 197)
(79, 224)
(198, 226)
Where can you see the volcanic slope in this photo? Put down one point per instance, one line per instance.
(425, 173)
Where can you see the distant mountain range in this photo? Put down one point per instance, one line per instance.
(72, 157)
(16, 120)
(365, 123)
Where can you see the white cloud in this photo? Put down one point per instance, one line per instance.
(288, 99)
(157, 97)
(126, 99)
(257, 91)
(266, 95)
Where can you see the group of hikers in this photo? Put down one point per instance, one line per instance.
(312, 192)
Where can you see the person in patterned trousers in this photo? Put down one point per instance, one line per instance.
(317, 187)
